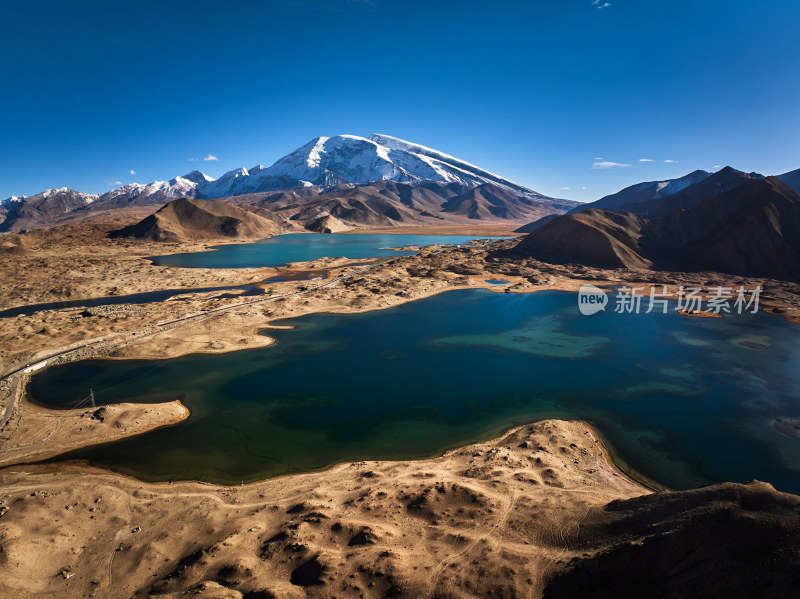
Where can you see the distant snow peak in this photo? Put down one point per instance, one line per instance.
(61, 192)
(324, 162)
(197, 177)
(330, 161)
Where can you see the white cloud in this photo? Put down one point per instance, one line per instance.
(133, 172)
(598, 157)
(583, 188)
(645, 160)
(117, 182)
(716, 166)
(193, 159)
(607, 164)
(605, 5)
(210, 157)
(671, 161)
(564, 188)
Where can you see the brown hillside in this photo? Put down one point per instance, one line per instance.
(752, 229)
(594, 237)
(185, 219)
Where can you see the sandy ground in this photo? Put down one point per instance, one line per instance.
(37, 433)
(492, 519)
(78, 261)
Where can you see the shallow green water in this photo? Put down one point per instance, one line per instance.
(686, 401)
(302, 247)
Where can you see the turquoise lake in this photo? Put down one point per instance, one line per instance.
(685, 401)
(302, 247)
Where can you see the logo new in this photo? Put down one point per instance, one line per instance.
(591, 300)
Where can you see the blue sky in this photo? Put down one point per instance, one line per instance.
(536, 91)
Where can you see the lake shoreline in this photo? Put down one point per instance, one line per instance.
(220, 340)
(523, 474)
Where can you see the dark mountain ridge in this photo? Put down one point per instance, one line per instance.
(752, 229)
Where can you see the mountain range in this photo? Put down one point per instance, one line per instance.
(396, 177)
(729, 221)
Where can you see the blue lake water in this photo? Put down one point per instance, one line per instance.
(302, 247)
(148, 297)
(686, 401)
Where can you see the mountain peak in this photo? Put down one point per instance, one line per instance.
(728, 172)
(383, 139)
(197, 177)
(329, 161)
(325, 162)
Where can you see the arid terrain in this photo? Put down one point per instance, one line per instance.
(525, 515)
(78, 261)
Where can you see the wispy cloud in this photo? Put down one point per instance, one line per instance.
(600, 4)
(606, 164)
(117, 182)
(717, 166)
(193, 159)
(564, 188)
(598, 158)
(583, 188)
(210, 157)
(133, 172)
(645, 160)
(671, 161)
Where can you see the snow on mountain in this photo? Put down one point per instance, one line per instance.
(447, 167)
(645, 192)
(20, 213)
(324, 162)
(152, 192)
(673, 186)
(86, 198)
(235, 182)
(197, 177)
(329, 161)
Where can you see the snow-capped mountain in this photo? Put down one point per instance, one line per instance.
(62, 192)
(19, 212)
(155, 192)
(329, 161)
(323, 163)
(341, 162)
